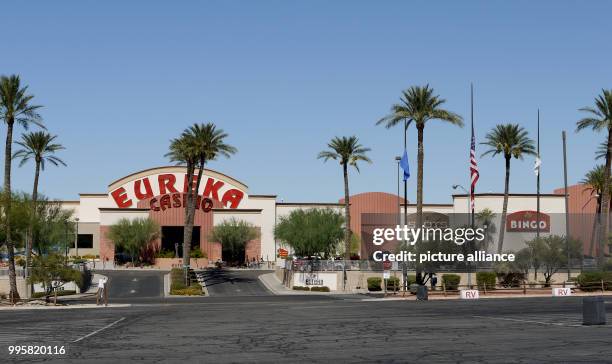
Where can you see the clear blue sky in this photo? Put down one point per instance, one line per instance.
(119, 79)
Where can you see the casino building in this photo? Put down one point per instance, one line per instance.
(158, 193)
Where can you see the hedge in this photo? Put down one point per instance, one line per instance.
(451, 281)
(486, 280)
(66, 292)
(301, 288)
(591, 281)
(393, 284)
(178, 286)
(374, 284)
(319, 289)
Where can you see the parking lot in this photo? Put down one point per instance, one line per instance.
(252, 327)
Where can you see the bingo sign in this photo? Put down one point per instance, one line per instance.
(527, 222)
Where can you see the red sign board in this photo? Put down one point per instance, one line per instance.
(527, 222)
(283, 253)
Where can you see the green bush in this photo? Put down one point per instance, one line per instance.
(451, 281)
(591, 281)
(194, 290)
(164, 254)
(393, 284)
(411, 279)
(178, 286)
(320, 289)
(374, 284)
(486, 280)
(510, 279)
(197, 253)
(66, 292)
(301, 288)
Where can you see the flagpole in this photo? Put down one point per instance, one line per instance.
(472, 187)
(539, 171)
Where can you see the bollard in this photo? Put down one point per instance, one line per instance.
(593, 311)
(422, 293)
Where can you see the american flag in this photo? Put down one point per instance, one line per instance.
(474, 174)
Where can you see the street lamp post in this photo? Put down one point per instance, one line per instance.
(76, 237)
(467, 197)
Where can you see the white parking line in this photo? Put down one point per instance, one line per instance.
(529, 321)
(97, 331)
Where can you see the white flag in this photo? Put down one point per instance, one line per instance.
(536, 166)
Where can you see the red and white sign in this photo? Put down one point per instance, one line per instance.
(561, 292)
(469, 294)
(283, 253)
(527, 222)
(166, 190)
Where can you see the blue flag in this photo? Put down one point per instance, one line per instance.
(405, 166)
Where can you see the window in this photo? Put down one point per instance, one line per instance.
(85, 241)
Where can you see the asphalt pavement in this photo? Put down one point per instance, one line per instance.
(297, 329)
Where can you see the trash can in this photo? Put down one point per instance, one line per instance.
(593, 311)
(422, 293)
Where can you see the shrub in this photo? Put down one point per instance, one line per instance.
(197, 253)
(393, 284)
(411, 279)
(194, 290)
(301, 288)
(320, 289)
(591, 281)
(66, 292)
(178, 286)
(486, 280)
(374, 284)
(164, 254)
(510, 279)
(451, 281)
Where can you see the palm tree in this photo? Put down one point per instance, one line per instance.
(348, 152)
(418, 105)
(197, 145)
(485, 219)
(41, 147)
(509, 140)
(594, 181)
(15, 107)
(600, 118)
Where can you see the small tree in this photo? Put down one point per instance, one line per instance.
(311, 232)
(551, 253)
(233, 235)
(133, 236)
(53, 274)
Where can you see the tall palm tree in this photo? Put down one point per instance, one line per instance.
(419, 105)
(600, 119)
(39, 146)
(15, 107)
(594, 181)
(509, 140)
(197, 145)
(348, 152)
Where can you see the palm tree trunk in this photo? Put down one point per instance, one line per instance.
(10, 246)
(347, 215)
(502, 228)
(595, 226)
(188, 225)
(420, 159)
(30, 237)
(605, 203)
